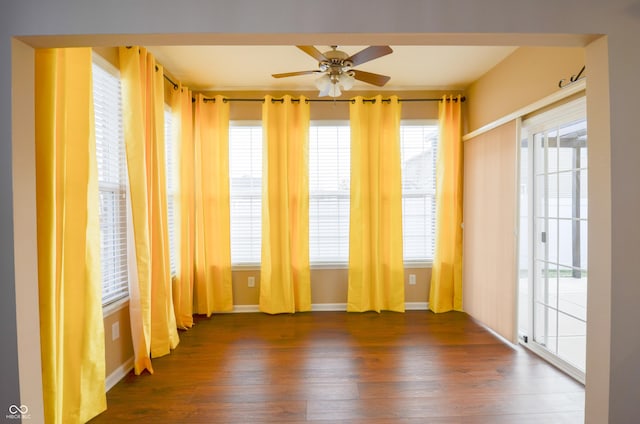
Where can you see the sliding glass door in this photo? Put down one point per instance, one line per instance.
(553, 236)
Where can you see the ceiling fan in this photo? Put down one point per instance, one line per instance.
(337, 70)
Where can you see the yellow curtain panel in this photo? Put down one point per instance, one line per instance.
(71, 324)
(181, 107)
(153, 323)
(285, 281)
(212, 290)
(376, 267)
(446, 274)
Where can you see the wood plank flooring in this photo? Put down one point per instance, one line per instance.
(416, 367)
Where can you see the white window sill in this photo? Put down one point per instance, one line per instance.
(332, 265)
(114, 307)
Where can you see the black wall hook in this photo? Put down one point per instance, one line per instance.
(574, 78)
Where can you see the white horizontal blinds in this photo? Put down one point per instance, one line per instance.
(419, 145)
(170, 176)
(329, 186)
(110, 152)
(245, 185)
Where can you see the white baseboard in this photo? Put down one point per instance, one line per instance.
(118, 374)
(416, 306)
(325, 307)
(243, 309)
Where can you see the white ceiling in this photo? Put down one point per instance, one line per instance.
(249, 68)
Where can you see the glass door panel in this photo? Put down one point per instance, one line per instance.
(553, 237)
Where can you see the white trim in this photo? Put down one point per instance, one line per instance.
(329, 265)
(574, 88)
(118, 374)
(427, 263)
(325, 307)
(554, 360)
(329, 307)
(114, 307)
(413, 264)
(244, 309)
(245, 267)
(416, 306)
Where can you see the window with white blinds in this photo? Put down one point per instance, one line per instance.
(418, 152)
(329, 188)
(110, 152)
(329, 192)
(170, 176)
(245, 186)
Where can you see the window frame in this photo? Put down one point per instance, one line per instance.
(425, 262)
(245, 265)
(115, 302)
(330, 264)
(172, 183)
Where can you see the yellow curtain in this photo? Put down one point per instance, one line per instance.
(212, 285)
(376, 267)
(71, 325)
(446, 274)
(285, 281)
(153, 322)
(181, 107)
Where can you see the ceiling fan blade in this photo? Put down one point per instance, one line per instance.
(293, 74)
(371, 78)
(313, 52)
(370, 53)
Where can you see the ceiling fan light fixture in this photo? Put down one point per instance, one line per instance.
(346, 81)
(323, 82)
(330, 89)
(330, 84)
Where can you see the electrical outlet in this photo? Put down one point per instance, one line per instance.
(412, 279)
(115, 330)
(251, 281)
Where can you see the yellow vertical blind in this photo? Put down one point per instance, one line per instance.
(71, 324)
(212, 285)
(153, 323)
(376, 268)
(285, 280)
(446, 274)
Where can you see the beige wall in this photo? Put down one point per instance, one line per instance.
(25, 224)
(328, 286)
(524, 77)
(119, 350)
(489, 272)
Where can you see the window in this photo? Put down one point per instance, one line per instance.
(329, 191)
(418, 152)
(329, 187)
(245, 185)
(170, 160)
(110, 153)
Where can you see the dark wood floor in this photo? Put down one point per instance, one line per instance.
(416, 367)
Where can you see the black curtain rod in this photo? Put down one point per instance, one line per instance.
(175, 86)
(225, 100)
